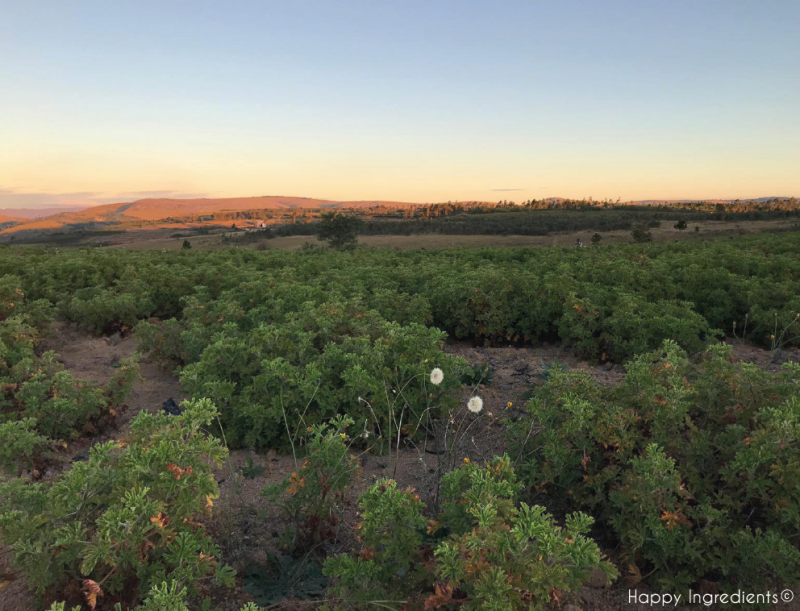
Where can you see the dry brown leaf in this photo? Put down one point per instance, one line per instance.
(91, 590)
(443, 595)
(634, 575)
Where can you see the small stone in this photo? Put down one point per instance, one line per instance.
(597, 579)
(259, 556)
(115, 339)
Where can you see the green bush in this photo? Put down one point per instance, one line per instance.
(126, 519)
(492, 553)
(390, 563)
(489, 295)
(504, 556)
(39, 400)
(335, 358)
(692, 465)
(164, 597)
(307, 499)
(641, 234)
(20, 444)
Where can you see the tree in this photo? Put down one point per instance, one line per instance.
(596, 238)
(641, 234)
(339, 230)
(186, 245)
(680, 225)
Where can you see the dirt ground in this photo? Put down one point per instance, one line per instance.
(238, 524)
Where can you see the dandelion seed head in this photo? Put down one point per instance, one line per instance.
(475, 405)
(437, 375)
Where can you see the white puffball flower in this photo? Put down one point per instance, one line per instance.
(475, 405)
(437, 375)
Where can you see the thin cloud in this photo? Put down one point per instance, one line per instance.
(161, 194)
(15, 198)
(507, 189)
(12, 198)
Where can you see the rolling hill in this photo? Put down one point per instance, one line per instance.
(6, 220)
(38, 212)
(163, 209)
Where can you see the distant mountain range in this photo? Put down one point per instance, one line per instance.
(151, 211)
(36, 213)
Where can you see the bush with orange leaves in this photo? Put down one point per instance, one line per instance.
(309, 498)
(502, 554)
(694, 465)
(124, 520)
(484, 550)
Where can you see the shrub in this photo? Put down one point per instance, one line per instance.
(20, 444)
(504, 556)
(104, 311)
(492, 553)
(641, 234)
(124, 520)
(164, 597)
(324, 360)
(163, 341)
(689, 464)
(308, 497)
(121, 383)
(63, 406)
(38, 399)
(60, 403)
(389, 564)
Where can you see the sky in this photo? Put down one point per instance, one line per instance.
(421, 101)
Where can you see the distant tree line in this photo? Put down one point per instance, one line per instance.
(533, 223)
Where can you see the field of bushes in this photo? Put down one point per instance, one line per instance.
(686, 473)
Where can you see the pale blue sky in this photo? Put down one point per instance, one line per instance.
(413, 101)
